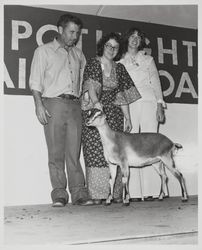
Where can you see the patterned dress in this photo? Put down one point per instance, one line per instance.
(113, 91)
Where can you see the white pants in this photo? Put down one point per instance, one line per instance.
(145, 181)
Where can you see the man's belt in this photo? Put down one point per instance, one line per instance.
(68, 97)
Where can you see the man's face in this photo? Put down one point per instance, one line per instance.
(69, 34)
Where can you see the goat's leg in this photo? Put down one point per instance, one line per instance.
(170, 164)
(160, 169)
(165, 178)
(125, 182)
(167, 189)
(113, 171)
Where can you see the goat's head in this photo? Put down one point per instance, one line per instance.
(96, 118)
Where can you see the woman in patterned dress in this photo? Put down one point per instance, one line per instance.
(107, 86)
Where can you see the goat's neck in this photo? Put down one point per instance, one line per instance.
(106, 133)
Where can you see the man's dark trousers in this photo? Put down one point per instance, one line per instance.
(63, 138)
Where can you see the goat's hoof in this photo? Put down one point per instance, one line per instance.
(160, 199)
(126, 204)
(107, 203)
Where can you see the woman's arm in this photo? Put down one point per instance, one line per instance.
(92, 82)
(94, 97)
(155, 81)
(126, 90)
(127, 118)
(156, 85)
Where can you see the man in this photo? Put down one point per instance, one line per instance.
(55, 81)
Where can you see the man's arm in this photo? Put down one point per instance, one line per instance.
(41, 112)
(83, 64)
(35, 83)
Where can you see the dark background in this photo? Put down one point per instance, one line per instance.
(38, 17)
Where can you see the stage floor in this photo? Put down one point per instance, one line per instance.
(150, 222)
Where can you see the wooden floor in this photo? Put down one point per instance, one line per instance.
(150, 222)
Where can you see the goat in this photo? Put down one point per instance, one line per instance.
(136, 150)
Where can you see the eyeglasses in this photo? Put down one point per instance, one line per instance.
(110, 47)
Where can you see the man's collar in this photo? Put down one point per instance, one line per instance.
(58, 45)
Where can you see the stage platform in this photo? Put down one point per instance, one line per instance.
(150, 222)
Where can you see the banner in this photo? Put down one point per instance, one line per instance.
(174, 49)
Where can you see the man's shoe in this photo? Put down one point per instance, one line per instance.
(60, 202)
(83, 202)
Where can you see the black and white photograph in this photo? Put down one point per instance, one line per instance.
(100, 132)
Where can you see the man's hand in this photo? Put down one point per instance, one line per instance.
(42, 114)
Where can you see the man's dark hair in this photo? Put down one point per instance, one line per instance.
(66, 18)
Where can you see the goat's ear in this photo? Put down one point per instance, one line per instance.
(100, 112)
(89, 112)
(104, 115)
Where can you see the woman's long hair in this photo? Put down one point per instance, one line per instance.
(130, 32)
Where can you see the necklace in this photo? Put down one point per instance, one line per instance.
(133, 60)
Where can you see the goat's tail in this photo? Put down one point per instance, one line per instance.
(176, 147)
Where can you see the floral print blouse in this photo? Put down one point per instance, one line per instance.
(125, 89)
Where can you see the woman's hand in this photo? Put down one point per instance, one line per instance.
(127, 119)
(160, 114)
(127, 125)
(98, 105)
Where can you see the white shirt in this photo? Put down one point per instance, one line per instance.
(54, 71)
(144, 73)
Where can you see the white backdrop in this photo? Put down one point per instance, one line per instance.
(26, 176)
(25, 169)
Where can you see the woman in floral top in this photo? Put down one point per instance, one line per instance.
(107, 86)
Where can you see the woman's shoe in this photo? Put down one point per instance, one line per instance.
(97, 201)
(149, 198)
(117, 200)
